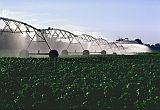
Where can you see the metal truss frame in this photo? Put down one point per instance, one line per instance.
(61, 34)
(89, 38)
(114, 44)
(105, 43)
(14, 26)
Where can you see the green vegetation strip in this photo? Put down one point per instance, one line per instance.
(97, 82)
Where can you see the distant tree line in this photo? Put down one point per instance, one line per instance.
(154, 47)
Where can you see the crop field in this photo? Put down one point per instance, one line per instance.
(92, 83)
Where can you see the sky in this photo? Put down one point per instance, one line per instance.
(109, 19)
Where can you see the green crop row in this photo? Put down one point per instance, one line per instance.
(97, 82)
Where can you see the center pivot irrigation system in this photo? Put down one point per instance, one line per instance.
(53, 41)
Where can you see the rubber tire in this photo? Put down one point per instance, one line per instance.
(103, 52)
(64, 52)
(24, 53)
(86, 52)
(53, 54)
(114, 53)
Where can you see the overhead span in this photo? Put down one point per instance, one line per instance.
(41, 35)
(61, 35)
(14, 26)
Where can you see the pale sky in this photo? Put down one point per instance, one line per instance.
(109, 19)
